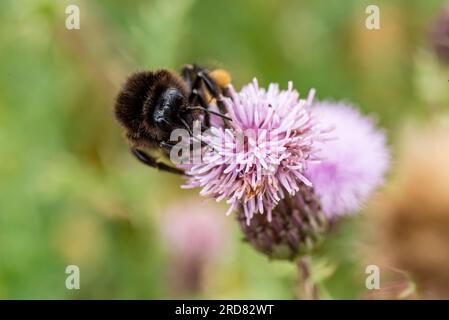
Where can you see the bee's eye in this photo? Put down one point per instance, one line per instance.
(173, 97)
(166, 107)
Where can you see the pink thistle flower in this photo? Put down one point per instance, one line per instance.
(264, 153)
(196, 237)
(194, 230)
(353, 164)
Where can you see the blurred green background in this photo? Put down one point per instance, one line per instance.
(70, 192)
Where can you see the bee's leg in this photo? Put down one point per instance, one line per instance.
(166, 145)
(169, 145)
(186, 125)
(152, 162)
(189, 74)
(203, 77)
(196, 95)
(204, 106)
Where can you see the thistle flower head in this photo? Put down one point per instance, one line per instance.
(195, 236)
(353, 163)
(297, 228)
(263, 154)
(194, 231)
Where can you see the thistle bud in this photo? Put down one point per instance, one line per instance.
(297, 226)
(439, 35)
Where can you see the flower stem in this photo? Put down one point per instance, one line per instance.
(308, 288)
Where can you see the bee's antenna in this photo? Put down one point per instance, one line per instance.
(210, 111)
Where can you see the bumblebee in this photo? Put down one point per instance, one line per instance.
(152, 104)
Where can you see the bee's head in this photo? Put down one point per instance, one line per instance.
(165, 111)
(148, 100)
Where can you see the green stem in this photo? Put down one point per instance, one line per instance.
(308, 288)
